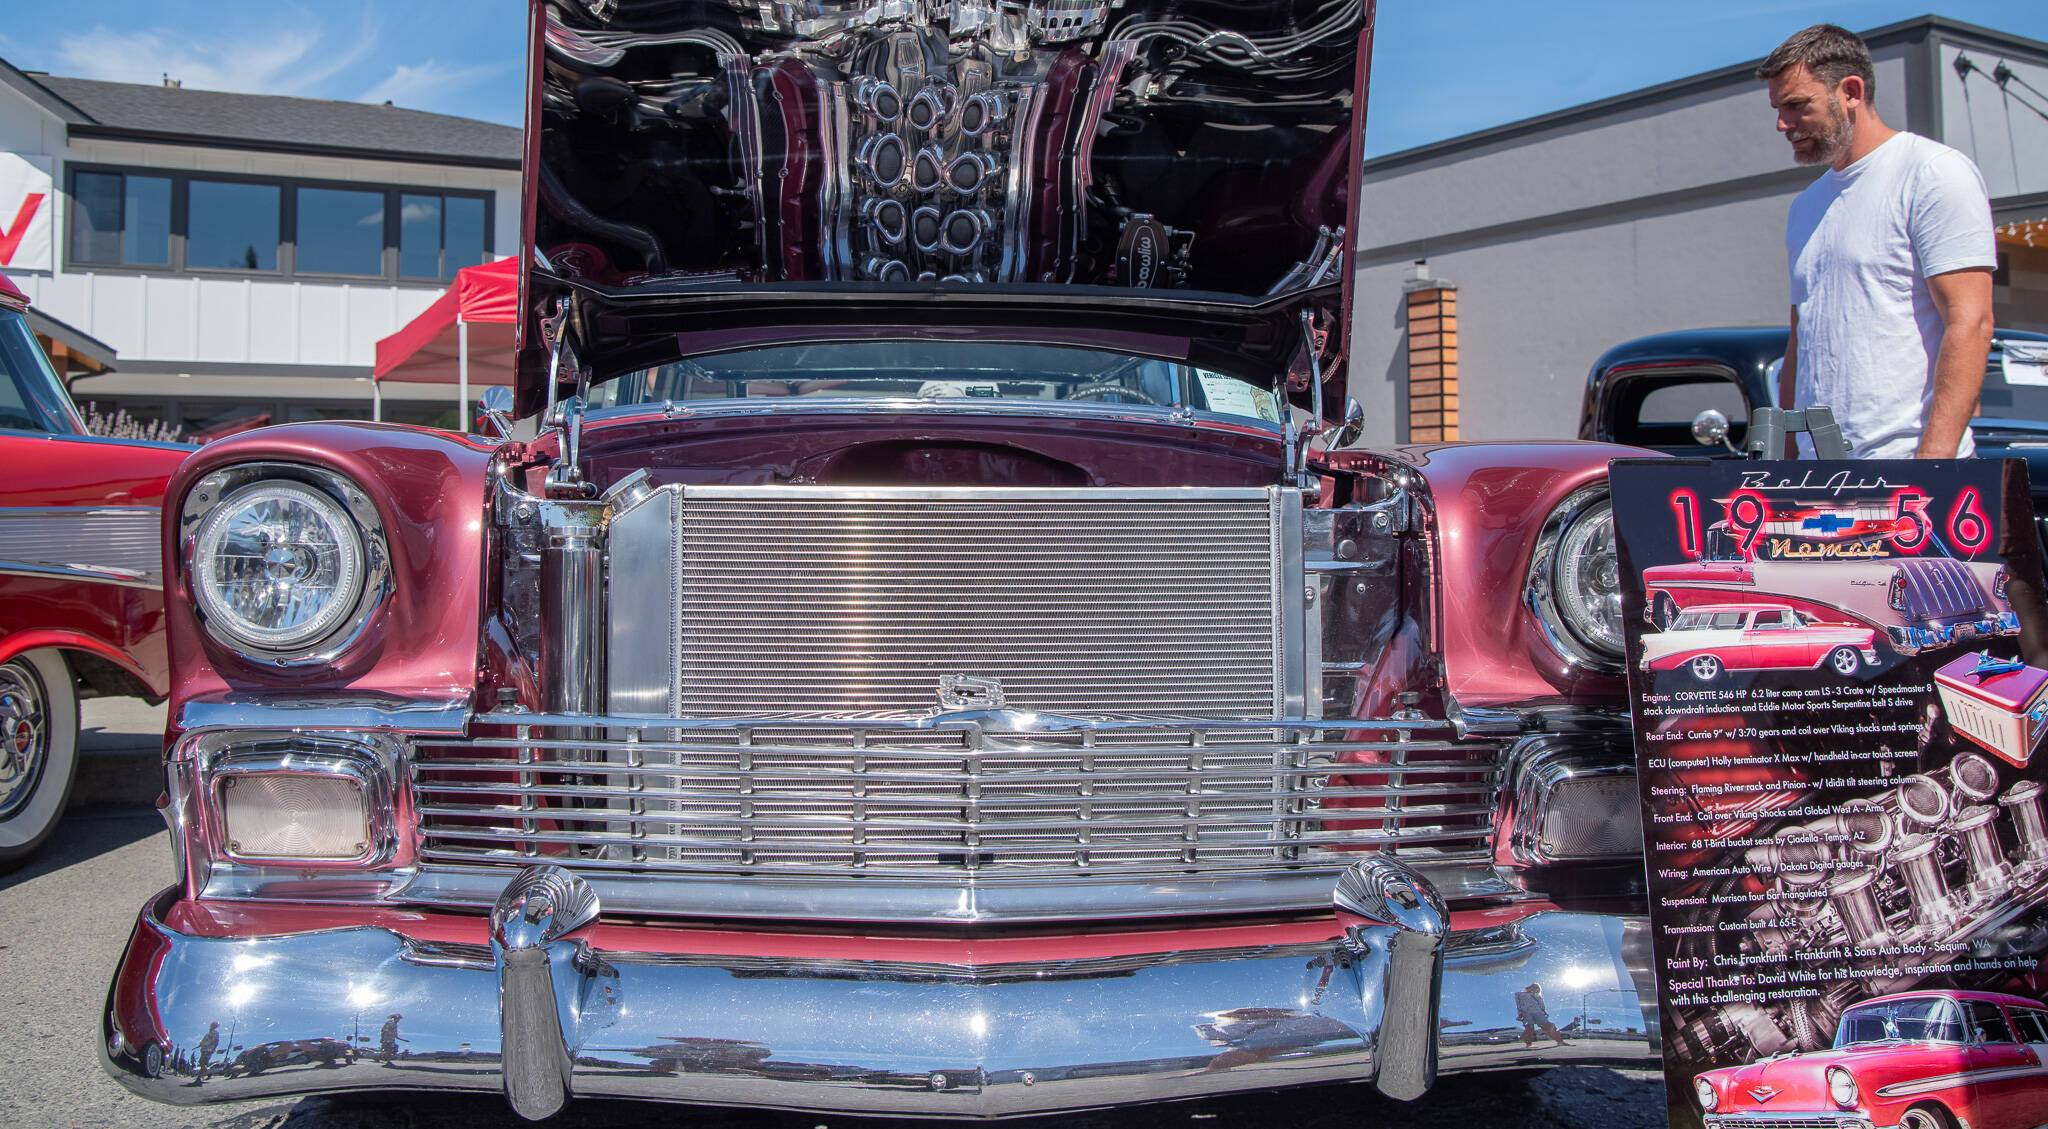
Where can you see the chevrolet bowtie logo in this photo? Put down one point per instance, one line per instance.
(1764, 1093)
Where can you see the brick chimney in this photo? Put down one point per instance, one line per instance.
(1432, 311)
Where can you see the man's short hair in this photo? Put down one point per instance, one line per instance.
(1831, 53)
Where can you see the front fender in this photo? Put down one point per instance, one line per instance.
(423, 640)
(1486, 504)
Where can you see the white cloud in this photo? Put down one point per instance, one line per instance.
(294, 60)
(422, 86)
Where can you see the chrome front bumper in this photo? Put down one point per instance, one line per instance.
(1913, 640)
(544, 1003)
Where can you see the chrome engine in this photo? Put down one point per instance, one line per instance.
(962, 141)
(1938, 868)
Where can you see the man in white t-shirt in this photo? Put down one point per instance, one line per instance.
(1891, 252)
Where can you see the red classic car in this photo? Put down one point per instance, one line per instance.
(942, 653)
(1838, 564)
(1709, 639)
(81, 559)
(1918, 1060)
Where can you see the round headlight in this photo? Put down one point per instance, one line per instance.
(1588, 579)
(1575, 580)
(277, 565)
(1841, 1087)
(1705, 1090)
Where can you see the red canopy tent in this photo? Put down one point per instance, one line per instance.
(464, 338)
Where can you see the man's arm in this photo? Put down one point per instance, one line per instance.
(1963, 299)
(1788, 380)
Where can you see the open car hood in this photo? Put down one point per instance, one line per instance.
(1168, 177)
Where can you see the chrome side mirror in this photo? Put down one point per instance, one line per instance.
(1353, 426)
(494, 412)
(1711, 427)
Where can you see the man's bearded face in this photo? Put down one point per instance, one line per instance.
(1820, 140)
(1811, 116)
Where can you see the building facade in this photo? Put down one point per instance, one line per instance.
(1551, 239)
(240, 255)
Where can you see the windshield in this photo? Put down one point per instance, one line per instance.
(943, 370)
(1929, 1020)
(31, 399)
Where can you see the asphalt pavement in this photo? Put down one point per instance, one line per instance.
(65, 916)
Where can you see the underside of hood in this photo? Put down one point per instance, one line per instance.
(1187, 161)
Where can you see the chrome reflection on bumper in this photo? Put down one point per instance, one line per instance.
(414, 1002)
(1913, 640)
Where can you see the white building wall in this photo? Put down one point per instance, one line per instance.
(171, 318)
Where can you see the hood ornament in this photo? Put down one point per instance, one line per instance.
(1763, 1094)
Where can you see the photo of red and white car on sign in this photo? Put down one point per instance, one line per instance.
(1842, 564)
(1919, 1060)
(1711, 639)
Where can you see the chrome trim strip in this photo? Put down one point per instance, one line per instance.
(989, 721)
(1292, 614)
(81, 572)
(856, 1036)
(1959, 1078)
(871, 405)
(374, 714)
(975, 493)
(120, 545)
(836, 898)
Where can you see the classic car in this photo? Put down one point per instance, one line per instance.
(326, 1054)
(81, 603)
(1711, 639)
(1918, 1060)
(943, 653)
(1647, 392)
(1842, 564)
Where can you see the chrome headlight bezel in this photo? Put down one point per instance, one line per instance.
(352, 514)
(1842, 1087)
(1549, 572)
(1704, 1091)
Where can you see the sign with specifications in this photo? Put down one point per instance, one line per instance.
(1839, 696)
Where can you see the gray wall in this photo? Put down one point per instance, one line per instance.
(1568, 234)
(1996, 127)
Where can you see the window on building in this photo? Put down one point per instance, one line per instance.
(193, 221)
(122, 219)
(439, 235)
(232, 226)
(340, 232)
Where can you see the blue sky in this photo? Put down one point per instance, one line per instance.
(1441, 68)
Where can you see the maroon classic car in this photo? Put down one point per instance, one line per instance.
(81, 601)
(1709, 639)
(1917, 1060)
(941, 653)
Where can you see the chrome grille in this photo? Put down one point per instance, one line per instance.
(952, 800)
(739, 600)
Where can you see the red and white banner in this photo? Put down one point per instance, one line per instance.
(26, 205)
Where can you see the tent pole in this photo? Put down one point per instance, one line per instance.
(376, 400)
(462, 373)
